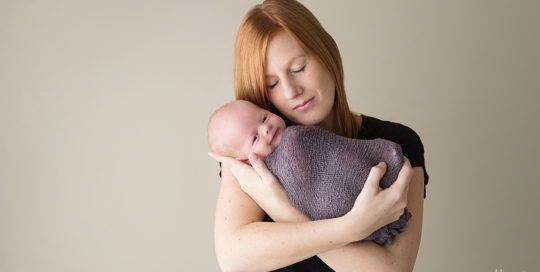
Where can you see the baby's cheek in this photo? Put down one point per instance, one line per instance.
(270, 150)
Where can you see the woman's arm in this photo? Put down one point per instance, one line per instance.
(400, 255)
(245, 243)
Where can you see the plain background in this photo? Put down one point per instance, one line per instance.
(104, 106)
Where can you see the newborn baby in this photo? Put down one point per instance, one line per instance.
(322, 173)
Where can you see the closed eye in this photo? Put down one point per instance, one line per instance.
(294, 72)
(299, 70)
(273, 85)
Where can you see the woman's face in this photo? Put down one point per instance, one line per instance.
(298, 85)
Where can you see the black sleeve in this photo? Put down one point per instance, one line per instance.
(410, 143)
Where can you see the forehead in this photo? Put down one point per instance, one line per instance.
(243, 117)
(282, 48)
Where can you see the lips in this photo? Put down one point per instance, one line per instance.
(274, 136)
(304, 105)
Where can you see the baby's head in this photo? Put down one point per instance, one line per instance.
(240, 128)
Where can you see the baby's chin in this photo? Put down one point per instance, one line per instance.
(262, 156)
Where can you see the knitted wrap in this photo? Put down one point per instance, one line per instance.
(323, 173)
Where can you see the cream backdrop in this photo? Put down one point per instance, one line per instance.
(104, 105)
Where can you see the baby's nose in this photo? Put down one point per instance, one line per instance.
(265, 129)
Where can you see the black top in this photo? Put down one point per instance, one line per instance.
(411, 145)
(373, 128)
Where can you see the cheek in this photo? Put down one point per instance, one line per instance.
(330, 93)
(320, 80)
(328, 88)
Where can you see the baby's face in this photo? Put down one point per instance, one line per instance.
(253, 130)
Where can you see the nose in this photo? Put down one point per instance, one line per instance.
(264, 128)
(290, 89)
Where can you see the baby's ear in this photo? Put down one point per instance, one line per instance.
(246, 161)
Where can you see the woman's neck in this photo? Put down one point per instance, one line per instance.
(331, 123)
(358, 119)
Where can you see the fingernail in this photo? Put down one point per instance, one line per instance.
(382, 164)
(253, 157)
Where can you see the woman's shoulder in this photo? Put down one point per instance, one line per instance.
(373, 128)
(406, 137)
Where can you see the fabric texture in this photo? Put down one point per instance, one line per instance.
(323, 173)
(373, 128)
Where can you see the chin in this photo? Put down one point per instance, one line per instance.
(310, 122)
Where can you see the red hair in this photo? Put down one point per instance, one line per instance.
(257, 28)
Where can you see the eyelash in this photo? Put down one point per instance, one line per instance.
(257, 135)
(294, 72)
(299, 70)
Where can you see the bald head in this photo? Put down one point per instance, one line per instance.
(240, 128)
(218, 123)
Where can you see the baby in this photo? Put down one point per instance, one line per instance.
(240, 128)
(323, 173)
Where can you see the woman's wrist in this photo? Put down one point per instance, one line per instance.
(351, 226)
(356, 226)
(285, 212)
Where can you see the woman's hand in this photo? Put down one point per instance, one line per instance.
(375, 207)
(258, 182)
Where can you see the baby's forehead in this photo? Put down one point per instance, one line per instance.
(240, 116)
(229, 115)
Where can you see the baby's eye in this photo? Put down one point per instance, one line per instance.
(265, 118)
(255, 138)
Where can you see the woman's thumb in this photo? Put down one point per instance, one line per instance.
(253, 158)
(258, 164)
(375, 176)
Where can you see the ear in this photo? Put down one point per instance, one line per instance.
(246, 161)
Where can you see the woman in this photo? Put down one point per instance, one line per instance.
(287, 63)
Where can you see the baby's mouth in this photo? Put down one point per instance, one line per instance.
(273, 136)
(276, 138)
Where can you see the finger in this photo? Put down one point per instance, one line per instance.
(238, 168)
(411, 172)
(217, 157)
(375, 175)
(231, 162)
(244, 173)
(261, 168)
(404, 177)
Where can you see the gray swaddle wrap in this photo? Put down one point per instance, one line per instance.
(323, 173)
